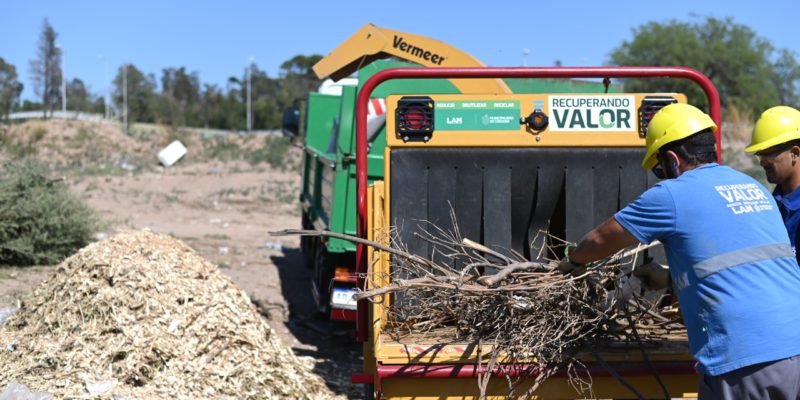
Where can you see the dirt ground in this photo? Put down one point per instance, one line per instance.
(224, 210)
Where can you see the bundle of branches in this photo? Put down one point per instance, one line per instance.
(521, 310)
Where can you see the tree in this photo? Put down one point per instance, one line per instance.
(142, 99)
(220, 111)
(234, 107)
(266, 109)
(298, 78)
(210, 103)
(10, 88)
(300, 65)
(46, 68)
(737, 60)
(28, 105)
(80, 98)
(180, 94)
(271, 96)
(787, 78)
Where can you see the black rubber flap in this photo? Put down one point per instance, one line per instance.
(504, 197)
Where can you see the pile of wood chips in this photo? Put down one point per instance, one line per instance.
(142, 315)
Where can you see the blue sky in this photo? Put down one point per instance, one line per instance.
(216, 39)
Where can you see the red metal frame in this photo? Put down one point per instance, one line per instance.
(475, 73)
(466, 371)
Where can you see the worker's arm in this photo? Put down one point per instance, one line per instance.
(601, 242)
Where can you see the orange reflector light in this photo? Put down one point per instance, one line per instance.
(343, 274)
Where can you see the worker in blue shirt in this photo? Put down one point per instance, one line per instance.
(776, 142)
(730, 260)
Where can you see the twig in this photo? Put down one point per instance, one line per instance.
(491, 280)
(480, 247)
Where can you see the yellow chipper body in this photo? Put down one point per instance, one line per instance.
(508, 166)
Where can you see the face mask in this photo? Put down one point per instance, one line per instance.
(659, 172)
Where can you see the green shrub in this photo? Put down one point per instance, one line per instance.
(38, 133)
(41, 222)
(185, 136)
(273, 153)
(222, 149)
(20, 148)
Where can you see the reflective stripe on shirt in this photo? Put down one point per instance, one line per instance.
(731, 259)
(746, 255)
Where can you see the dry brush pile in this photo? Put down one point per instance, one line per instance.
(147, 317)
(516, 309)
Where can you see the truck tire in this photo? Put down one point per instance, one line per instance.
(308, 244)
(322, 278)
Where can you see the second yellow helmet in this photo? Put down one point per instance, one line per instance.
(777, 125)
(671, 123)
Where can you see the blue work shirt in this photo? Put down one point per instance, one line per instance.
(789, 206)
(731, 263)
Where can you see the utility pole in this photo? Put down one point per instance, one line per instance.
(249, 102)
(125, 98)
(63, 82)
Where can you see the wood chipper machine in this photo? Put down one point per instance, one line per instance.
(328, 188)
(507, 166)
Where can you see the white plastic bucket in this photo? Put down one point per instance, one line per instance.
(172, 153)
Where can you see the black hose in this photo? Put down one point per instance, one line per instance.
(644, 355)
(616, 375)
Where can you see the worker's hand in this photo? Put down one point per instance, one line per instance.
(566, 266)
(654, 275)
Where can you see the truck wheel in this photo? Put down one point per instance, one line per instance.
(322, 278)
(308, 243)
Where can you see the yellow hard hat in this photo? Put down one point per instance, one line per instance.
(673, 122)
(777, 125)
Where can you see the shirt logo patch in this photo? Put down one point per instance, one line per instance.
(744, 198)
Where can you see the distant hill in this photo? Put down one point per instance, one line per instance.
(103, 147)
